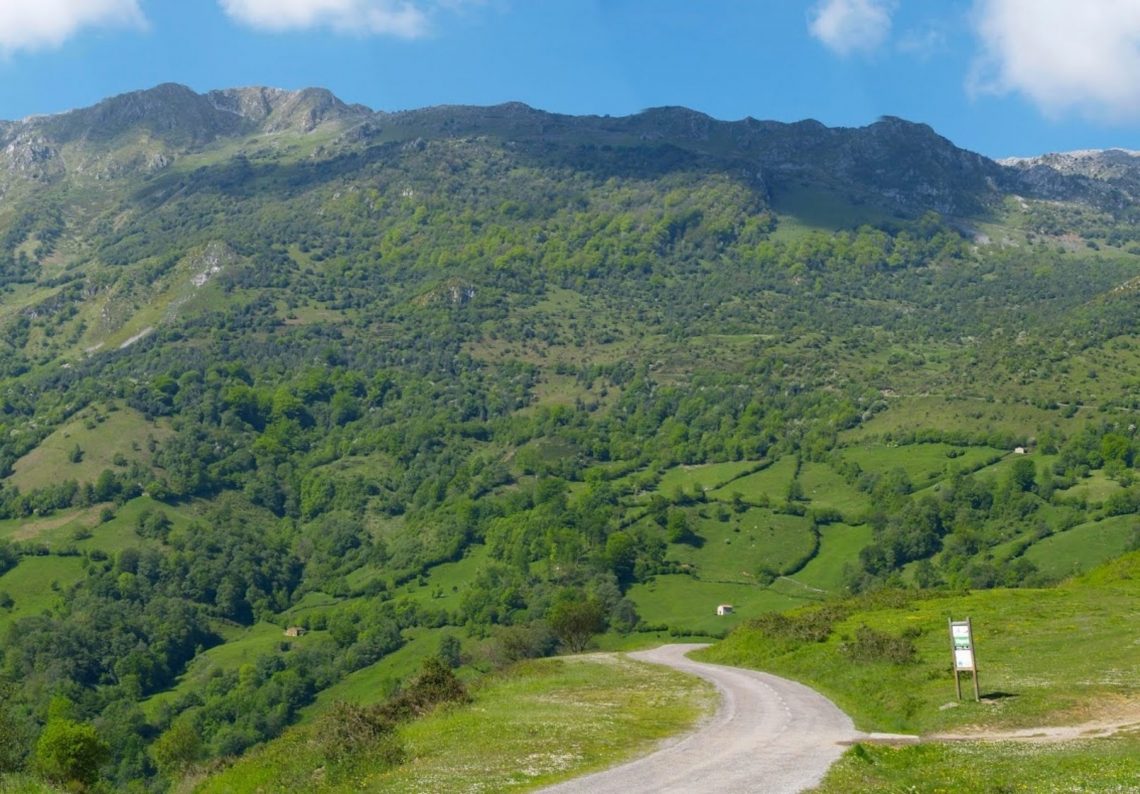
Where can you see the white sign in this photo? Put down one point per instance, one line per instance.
(964, 659)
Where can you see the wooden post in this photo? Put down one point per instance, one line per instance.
(953, 662)
(977, 691)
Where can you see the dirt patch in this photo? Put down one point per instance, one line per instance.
(1103, 718)
(33, 529)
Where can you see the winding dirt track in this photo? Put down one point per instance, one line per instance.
(769, 735)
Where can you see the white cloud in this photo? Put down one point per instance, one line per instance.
(851, 26)
(1065, 56)
(399, 18)
(37, 24)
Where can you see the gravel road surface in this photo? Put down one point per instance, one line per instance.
(769, 735)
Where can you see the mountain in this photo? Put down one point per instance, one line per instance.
(894, 162)
(484, 381)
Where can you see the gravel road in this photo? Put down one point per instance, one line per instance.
(769, 735)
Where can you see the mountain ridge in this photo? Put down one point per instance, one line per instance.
(900, 163)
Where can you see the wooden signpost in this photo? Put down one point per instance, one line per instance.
(962, 646)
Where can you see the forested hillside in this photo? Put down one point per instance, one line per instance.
(491, 381)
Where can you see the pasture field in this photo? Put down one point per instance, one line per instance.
(709, 476)
(240, 646)
(824, 487)
(1083, 547)
(84, 528)
(1094, 489)
(444, 585)
(839, 545)
(36, 584)
(770, 482)
(735, 550)
(529, 726)
(687, 606)
(103, 436)
(956, 414)
(377, 681)
(923, 463)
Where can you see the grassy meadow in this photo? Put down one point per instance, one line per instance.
(529, 726)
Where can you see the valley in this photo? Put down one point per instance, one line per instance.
(298, 398)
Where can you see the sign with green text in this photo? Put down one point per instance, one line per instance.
(962, 646)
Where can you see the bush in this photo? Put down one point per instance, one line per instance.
(434, 685)
(71, 753)
(871, 645)
(348, 731)
(813, 626)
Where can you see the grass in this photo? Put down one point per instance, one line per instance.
(37, 584)
(241, 646)
(1045, 656)
(708, 476)
(1083, 547)
(769, 483)
(824, 487)
(736, 549)
(533, 725)
(839, 545)
(84, 528)
(1105, 765)
(374, 683)
(688, 606)
(101, 434)
(923, 463)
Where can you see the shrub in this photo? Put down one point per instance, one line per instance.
(348, 731)
(434, 685)
(71, 753)
(871, 645)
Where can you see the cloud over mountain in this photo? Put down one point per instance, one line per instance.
(368, 17)
(39, 24)
(851, 26)
(1065, 57)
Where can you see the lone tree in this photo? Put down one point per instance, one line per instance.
(70, 753)
(575, 621)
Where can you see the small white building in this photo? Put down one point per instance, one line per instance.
(1019, 450)
(724, 609)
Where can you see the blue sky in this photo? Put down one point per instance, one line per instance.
(1002, 77)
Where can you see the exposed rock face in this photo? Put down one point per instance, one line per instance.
(1107, 171)
(28, 153)
(892, 162)
(275, 110)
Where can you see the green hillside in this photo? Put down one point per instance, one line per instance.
(1064, 656)
(491, 383)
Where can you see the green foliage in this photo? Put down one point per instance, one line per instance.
(871, 645)
(379, 382)
(574, 618)
(70, 752)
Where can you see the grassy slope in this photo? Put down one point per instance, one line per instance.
(1109, 765)
(540, 722)
(100, 435)
(1060, 656)
(1051, 654)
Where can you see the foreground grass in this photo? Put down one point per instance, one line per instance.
(538, 723)
(1108, 765)
(1062, 656)
(1055, 656)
